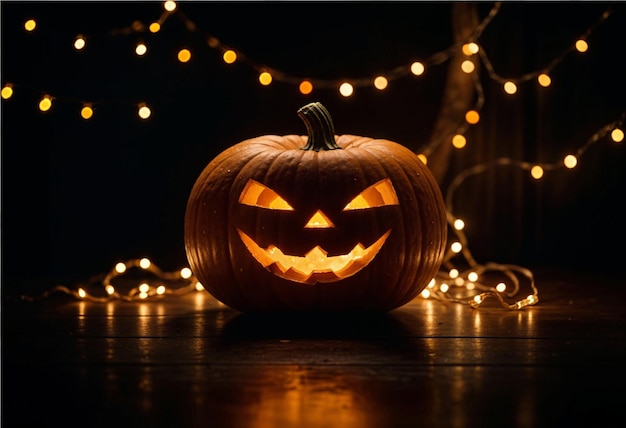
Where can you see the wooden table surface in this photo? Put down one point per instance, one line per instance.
(190, 361)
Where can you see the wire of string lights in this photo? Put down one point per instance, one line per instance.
(462, 279)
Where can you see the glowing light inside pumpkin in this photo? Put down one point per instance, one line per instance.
(377, 195)
(256, 194)
(319, 221)
(315, 266)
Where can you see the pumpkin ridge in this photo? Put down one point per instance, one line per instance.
(407, 293)
(370, 152)
(431, 190)
(205, 182)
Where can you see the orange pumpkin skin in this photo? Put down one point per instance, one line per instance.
(221, 227)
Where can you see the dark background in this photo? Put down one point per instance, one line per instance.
(78, 196)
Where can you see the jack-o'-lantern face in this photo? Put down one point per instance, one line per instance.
(316, 265)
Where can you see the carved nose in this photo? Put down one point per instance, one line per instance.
(319, 220)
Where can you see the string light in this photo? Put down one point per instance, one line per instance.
(159, 284)
(306, 87)
(570, 161)
(617, 135)
(141, 49)
(581, 46)
(79, 43)
(169, 5)
(7, 91)
(417, 68)
(86, 112)
(30, 25)
(346, 89)
(144, 111)
(544, 80)
(510, 87)
(265, 78)
(459, 141)
(381, 82)
(472, 117)
(184, 55)
(45, 103)
(155, 27)
(467, 66)
(229, 56)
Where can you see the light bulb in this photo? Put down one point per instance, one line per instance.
(144, 263)
(544, 80)
(184, 55)
(229, 56)
(154, 27)
(169, 5)
(417, 68)
(570, 161)
(467, 66)
(346, 89)
(79, 43)
(305, 87)
(30, 25)
(536, 172)
(144, 111)
(581, 45)
(141, 49)
(459, 141)
(617, 135)
(7, 91)
(265, 78)
(510, 87)
(456, 247)
(472, 117)
(459, 224)
(86, 112)
(46, 103)
(381, 82)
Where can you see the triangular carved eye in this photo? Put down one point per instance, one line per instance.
(258, 195)
(377, 195)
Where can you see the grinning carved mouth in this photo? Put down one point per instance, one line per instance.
(315, 266)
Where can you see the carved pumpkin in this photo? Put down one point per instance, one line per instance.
(316, 222)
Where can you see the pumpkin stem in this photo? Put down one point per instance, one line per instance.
(319, 126)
